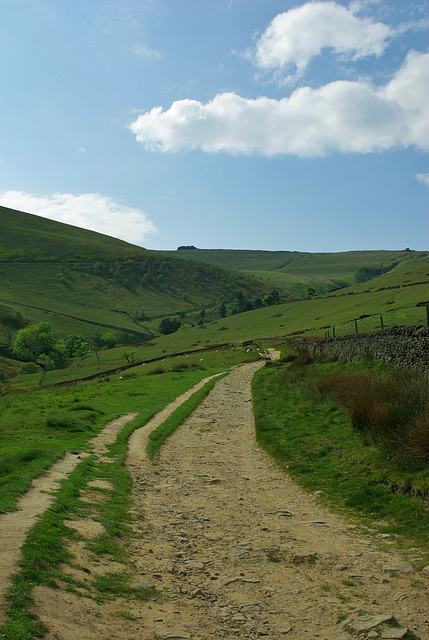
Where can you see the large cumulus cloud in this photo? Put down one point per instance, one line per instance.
(341, 116)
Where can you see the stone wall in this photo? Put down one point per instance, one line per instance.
(400, 346)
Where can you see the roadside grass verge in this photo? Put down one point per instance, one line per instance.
(314, 440)
(391, 409)
(37, 429)
(46, 549)
(161, 433)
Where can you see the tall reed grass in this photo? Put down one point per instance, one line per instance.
(392, 408)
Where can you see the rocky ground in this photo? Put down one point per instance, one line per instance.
(236, 550)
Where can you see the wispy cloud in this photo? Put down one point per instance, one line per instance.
(91, 211)
(176, 84)
(145, 52)
(423, 177)
(340, 116)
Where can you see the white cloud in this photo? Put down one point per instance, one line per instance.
(340, 116)
(91, 211)
(293, 38)
(145, 52)
(423, 177)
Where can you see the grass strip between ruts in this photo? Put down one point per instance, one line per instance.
(161, 433)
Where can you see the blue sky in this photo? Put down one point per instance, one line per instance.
(245, 124)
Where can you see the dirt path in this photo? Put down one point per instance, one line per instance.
(237, 550)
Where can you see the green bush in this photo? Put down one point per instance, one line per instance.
(29, 367)
(71, 423)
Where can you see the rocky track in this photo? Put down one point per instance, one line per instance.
(244, 553)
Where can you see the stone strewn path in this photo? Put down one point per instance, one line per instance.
(242, 552)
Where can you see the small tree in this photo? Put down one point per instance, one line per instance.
(75, 345)
(310, 292)
(268, 300)
(33, 341)
(46, 363)
(222, 310)
(139, 314)
(276, 296)
(169, 325)
(129, 356)
(110, 339)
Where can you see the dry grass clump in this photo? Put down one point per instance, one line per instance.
(393, 408)
(157, 371)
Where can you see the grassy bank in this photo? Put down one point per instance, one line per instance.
(317, 442)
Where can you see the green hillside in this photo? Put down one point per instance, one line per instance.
(86, 283)
(294, 271)
(26, 237)
(399, 296)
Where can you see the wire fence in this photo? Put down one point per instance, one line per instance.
(369, 323)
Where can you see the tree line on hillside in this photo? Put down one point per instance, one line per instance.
(240, 303)
(166, 274)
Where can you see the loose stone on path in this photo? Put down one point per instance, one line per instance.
(244, 548)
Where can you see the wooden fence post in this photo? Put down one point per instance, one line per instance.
(333, 331)
(356, 327)
(381, 322)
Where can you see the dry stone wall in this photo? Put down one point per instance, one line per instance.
(400, 346)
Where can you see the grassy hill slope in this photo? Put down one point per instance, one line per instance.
(31, 238)
(398, 296)
(129, 289)
(85, 282)
(295, 271)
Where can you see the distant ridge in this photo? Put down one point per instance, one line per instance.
(296, 271)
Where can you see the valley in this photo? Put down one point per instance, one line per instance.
(262, 511)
